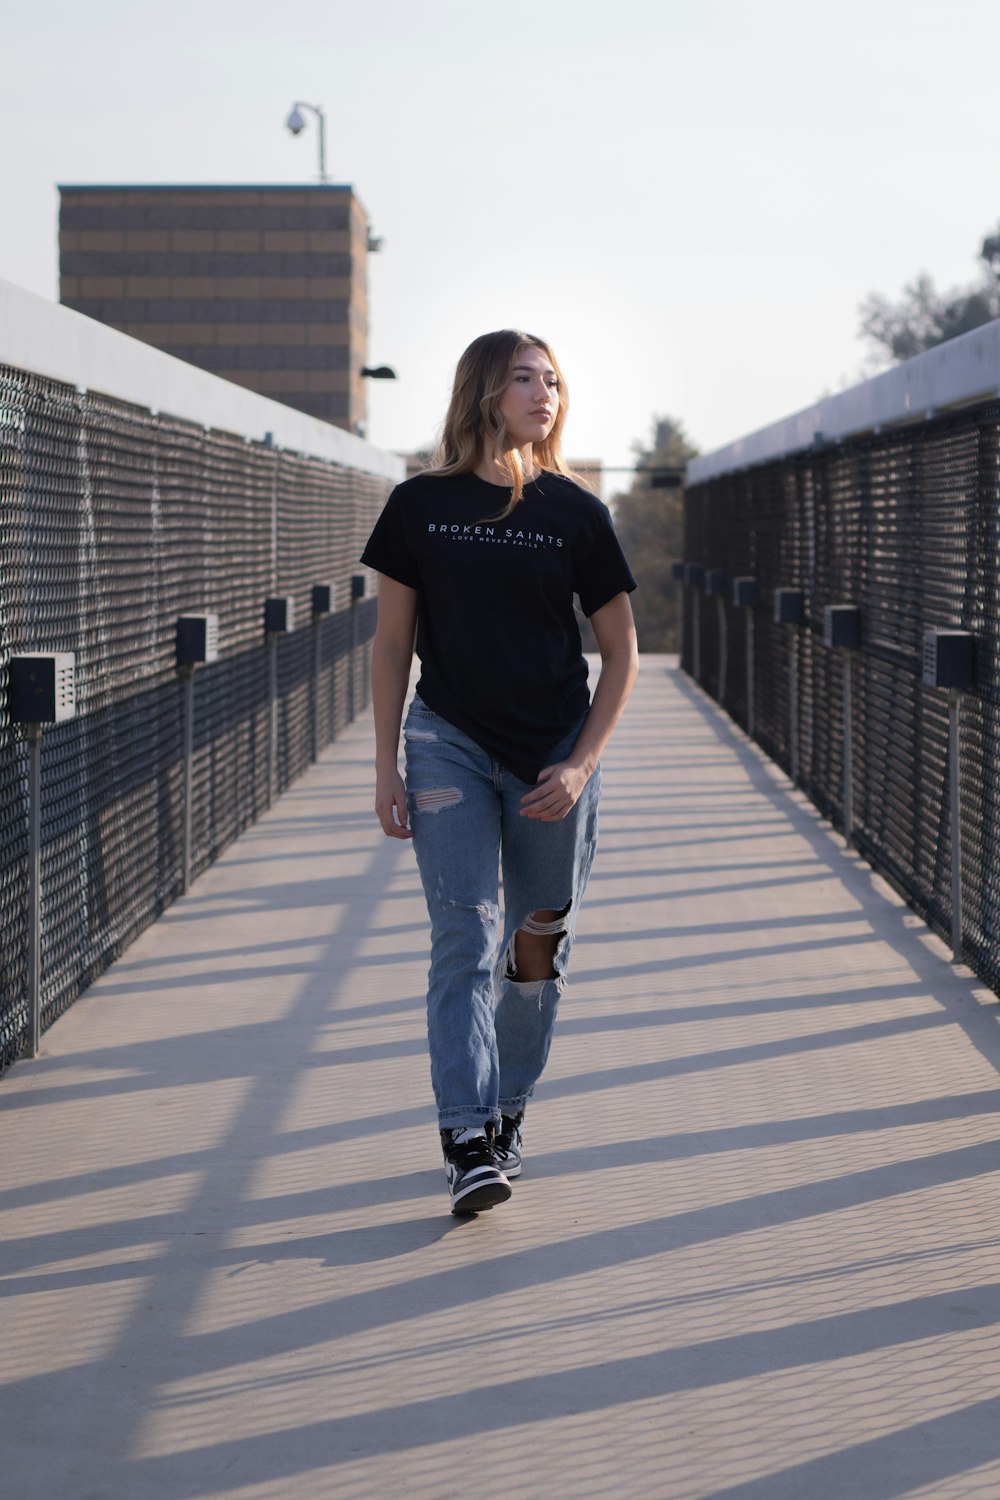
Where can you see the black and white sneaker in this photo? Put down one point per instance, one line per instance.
(508, 1144)
(474, 1179)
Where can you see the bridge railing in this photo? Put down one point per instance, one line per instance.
(887, 499)
(134, 489)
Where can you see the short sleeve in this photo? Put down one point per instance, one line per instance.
(387, 550)
(602, 571)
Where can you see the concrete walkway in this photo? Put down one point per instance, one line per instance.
(754, 1252)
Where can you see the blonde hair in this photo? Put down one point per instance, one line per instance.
(474, 424)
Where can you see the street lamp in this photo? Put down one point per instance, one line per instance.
(378, 372)
(296, 124)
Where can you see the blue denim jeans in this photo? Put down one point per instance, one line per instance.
(489, 1032)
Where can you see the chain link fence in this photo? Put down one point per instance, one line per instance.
(114, 521)
(904, 524)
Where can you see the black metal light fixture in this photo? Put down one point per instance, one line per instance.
(296, 124)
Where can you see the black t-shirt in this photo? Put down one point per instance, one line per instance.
(497, 635)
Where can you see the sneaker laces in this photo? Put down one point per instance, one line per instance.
(470, 1147)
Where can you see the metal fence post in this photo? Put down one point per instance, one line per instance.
(317, 634)
(677, 574)
(842, 633)
(272, 723)
(955, 780)
(715, 584)
(359, 588)
(322, 604)
(745, 597)
(693, 576)
(793, 702)
(948, 662)
(720, 605)
(279, 619)
(197, 643)
(187, 679)
(848, 753)
(34, 734)
(42, 690)
(789, 609)
(696, 633)
(750, 672)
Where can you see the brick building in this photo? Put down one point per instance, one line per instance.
(265, 286)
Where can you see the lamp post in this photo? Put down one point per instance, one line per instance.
(296, 124)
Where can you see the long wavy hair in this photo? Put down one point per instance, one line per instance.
(474, 424)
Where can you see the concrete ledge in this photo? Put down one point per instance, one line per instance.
(44, 338)
(963, 371)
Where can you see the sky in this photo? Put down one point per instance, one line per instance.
(688, 200)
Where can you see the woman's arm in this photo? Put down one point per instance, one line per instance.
(559, 786)
(392, 655)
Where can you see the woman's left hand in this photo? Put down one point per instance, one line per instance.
(557, 793)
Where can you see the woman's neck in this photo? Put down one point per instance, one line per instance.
(487, 468)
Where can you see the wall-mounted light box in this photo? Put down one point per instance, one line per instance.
(279, 614)
(842, 627)
(789, 607)
(42, 687)
(948, 659)
(197, 640)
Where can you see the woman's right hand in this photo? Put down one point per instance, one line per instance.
(390, 804)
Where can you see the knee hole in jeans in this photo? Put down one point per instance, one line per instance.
(532, 952)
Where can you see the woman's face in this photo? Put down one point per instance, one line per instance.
(530, 402)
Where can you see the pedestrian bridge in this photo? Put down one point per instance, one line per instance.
(753, 1253)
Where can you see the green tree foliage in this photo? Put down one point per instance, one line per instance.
(650, 526)
(925, 317)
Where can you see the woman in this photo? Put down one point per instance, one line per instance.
(481, 556)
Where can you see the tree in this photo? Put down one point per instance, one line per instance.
(650, 525)
(925, 317)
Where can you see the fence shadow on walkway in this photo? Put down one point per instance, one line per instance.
(752, 1254)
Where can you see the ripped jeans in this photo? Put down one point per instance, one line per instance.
(489, 1032)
